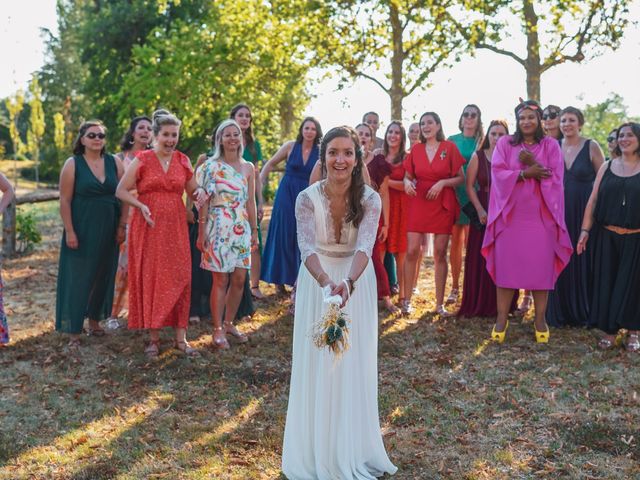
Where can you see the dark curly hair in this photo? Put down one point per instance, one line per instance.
(355, 210)
(534, 106)
(127, 140)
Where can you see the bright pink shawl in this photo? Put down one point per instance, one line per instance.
(505, 168)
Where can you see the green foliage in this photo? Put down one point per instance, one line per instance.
(27, 233)
(407, 40)
(14, 106)
(555, 32)
(602, 117)
(36, 124)
(114, 60)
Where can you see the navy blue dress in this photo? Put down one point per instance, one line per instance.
(281, 256)
(568, 304)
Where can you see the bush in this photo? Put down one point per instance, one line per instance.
(27, 234)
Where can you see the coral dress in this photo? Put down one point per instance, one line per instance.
(437, 215)
(159, 257)
(379, 169)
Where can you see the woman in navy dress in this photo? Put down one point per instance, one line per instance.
(281, 256)
(569, 302)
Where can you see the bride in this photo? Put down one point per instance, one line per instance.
(332, 429)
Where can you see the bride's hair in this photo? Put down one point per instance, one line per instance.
(355, 210)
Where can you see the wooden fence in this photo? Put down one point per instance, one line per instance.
(9, 217)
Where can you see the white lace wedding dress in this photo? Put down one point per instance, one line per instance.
(333, 430)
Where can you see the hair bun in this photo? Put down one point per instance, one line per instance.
(161, 112)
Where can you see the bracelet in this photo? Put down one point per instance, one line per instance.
(521, 175)
(585, 230)
(323, 274)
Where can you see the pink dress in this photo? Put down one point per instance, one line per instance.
(526, 244)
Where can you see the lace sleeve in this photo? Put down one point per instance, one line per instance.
(368, 229)
(305, 226)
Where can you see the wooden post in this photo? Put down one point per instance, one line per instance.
(9, 230)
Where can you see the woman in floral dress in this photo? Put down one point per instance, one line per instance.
(228, 228)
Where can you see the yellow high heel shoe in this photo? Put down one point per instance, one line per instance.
(499, 336)
(542, 337)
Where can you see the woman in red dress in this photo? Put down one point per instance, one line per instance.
(159, 256)
(433, 169)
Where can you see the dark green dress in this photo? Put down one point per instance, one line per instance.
(86, 275)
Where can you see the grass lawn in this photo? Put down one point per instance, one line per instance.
(452, 405)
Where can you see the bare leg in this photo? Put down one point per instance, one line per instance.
(440, 244)
(400, 259)
(414, 241)
(504, 297)
(234, 294)
(419, 263)
(217, 301)
(455, 255)
(255, 274)
(540, 298)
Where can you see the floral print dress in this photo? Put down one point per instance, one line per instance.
(227, 228)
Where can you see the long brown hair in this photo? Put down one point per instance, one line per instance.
(403, 142)
(436, 118)
(247, 136)
(485, 141)
(355, 210)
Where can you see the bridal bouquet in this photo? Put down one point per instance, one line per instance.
(332, 330)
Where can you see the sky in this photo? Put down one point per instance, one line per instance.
(492, 81)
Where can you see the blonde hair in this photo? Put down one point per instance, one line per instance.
(162, 117)
(218, 149)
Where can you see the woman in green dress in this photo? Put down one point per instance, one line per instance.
(252, 153)
(94, 226)
(467, 141)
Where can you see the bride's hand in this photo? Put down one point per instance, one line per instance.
(342, 290)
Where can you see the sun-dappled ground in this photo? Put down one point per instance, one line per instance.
(452, 405)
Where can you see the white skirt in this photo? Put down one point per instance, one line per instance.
(333, 430)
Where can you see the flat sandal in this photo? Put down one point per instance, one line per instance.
(632, 343)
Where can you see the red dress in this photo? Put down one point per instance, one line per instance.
(159, 256)
(398, 205)
(437, 215)
(379, 169)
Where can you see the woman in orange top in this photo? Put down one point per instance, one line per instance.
(433, 169)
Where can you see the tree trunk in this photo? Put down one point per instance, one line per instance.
(287, 118)
(396, 92)
(532, 63)
(9, 230)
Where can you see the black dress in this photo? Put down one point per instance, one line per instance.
(568, 304)
(615, 286)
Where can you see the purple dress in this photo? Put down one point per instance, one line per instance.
(526, 244)
(478, 290)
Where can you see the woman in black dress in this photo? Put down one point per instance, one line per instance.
(569, 302)
(612, 225)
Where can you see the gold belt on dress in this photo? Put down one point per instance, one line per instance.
(622, 230)
(334, 254)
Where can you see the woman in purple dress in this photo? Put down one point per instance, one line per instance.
(479, 291)
(526, 218)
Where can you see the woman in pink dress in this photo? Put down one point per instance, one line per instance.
(526, 244)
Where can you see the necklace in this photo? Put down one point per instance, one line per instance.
(624, 182)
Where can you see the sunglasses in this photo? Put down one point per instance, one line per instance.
(93, 136)
(469, 114)
(550, 116)
(611, 139)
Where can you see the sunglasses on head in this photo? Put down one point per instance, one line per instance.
(93, 136)
(469, 114)
(611, 139)
(550, 116)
